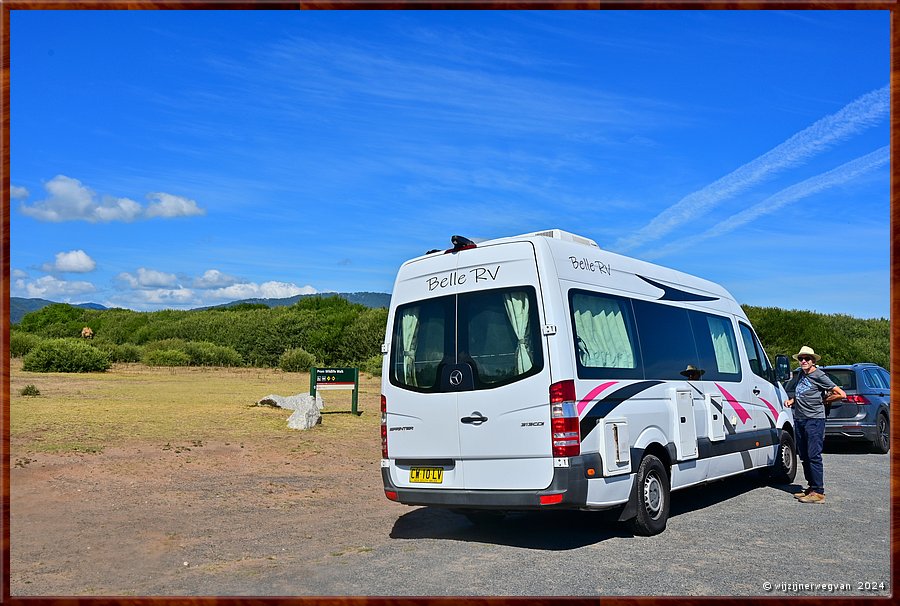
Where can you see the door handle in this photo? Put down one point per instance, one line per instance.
(475, 419)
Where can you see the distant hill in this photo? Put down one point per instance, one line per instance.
(19, 306)
(369, 299)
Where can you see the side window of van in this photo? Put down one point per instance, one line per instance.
(714, 336)
(605, 341)
(758, 362)
(667, 341)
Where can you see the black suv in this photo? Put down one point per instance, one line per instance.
(865, 413)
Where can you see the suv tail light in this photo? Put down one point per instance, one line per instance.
(384, 453)
(565, 431)
(857, 399)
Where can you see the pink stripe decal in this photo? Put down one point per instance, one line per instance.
(772, 408)
(742, 414)
(593, 394)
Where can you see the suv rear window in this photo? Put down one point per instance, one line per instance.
(843, 378)
(496, 332)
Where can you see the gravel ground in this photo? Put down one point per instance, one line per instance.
(254, 519)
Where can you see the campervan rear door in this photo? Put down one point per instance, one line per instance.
(504, 422)
(422, 421)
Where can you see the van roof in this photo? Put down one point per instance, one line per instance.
(556, 234)
(632, 265)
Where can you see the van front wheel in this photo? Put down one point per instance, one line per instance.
(652, 485)
(785, 467)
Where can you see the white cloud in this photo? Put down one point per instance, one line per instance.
(266, 290)
(75, 261)
(154, 299)
(17, 193)
(148, 279)
(117, 209)
(49, 287)
(18, 274)
(169, 206)
(213, 278)
(168, 296)
(152, 289)
(70, 200)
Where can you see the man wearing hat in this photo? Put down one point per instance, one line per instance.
(809, 390)
(692, 373)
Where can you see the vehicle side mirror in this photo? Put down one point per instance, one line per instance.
(782, 368)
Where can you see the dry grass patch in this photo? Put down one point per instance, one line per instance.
(174, 406)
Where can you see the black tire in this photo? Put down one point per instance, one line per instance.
(653, 490)
(784, 469)
(882, 443)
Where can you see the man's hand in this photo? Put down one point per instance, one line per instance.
(789, 403)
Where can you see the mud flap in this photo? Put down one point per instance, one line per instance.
(630, 510)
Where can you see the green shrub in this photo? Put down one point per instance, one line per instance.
(30, 390)
(166, 357)
(210, 354)
(120, 353)
(166, 344)
(372, 365)
(65, 355)
(296, 360)
(20, 343)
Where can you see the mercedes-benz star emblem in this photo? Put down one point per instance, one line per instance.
(456, 377)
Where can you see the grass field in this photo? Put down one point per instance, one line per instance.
(170, 406)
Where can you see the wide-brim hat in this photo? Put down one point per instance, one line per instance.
(691, 370)
(807, 351)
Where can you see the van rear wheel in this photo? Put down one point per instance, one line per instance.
(652, 485)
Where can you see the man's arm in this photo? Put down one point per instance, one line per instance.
(836, 394)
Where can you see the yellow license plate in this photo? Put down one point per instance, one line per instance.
(426, 475)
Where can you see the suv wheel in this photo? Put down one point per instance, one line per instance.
(882, 441)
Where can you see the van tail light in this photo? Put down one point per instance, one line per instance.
(565, 430)
(384, 453)
(564, 391)
(857, 399)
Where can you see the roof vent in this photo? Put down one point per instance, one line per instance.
(559, 234)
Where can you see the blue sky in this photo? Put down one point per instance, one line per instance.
(175, 159)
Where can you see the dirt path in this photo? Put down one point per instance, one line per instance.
(156, 519)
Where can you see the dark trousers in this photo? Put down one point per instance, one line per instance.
(810, 440)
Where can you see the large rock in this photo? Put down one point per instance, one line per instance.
(307, 409)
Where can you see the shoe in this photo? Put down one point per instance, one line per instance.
(800, 495)
(813, 497)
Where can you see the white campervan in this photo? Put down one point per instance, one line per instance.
(542, 372)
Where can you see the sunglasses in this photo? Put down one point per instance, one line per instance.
(805, 359)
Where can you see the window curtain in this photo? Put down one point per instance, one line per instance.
(516, 305)
(409, 326)
(722, 345)
(603, 337)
